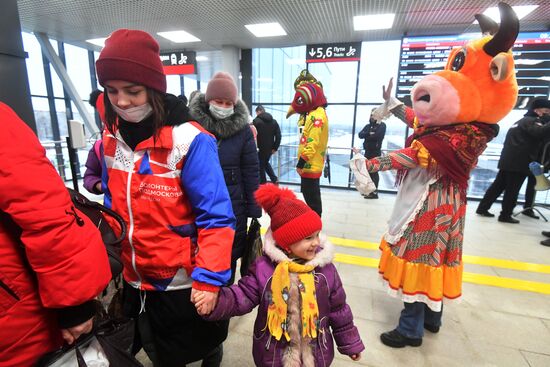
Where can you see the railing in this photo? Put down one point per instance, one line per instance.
(58, 154)
(285, 161)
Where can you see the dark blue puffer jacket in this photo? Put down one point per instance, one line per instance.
(239, 161)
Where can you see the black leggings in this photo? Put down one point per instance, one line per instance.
(311, 190)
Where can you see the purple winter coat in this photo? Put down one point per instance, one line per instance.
(335, 316)
(93, 169)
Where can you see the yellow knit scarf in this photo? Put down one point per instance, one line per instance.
(277, 318)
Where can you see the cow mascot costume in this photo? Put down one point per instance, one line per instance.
(454, 115)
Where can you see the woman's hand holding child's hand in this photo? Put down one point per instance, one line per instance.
(204, 301)
(356, 357)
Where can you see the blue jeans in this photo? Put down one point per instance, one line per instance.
(414, 316)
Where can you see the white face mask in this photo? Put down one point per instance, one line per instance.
(220, 112)
(134, 114)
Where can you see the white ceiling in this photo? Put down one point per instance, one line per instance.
(219, 23)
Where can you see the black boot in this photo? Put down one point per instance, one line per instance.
(484, 213)
(394, 339)
(530, 213)
(508, 220)
(372, 195)
(431, 328)
(546, 242)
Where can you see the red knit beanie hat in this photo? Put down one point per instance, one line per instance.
(291, 219)
(222, 86)
(132, 56)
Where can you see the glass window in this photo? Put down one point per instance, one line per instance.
(61, 112)
(274, 71)
(207, 68)
(379, 63)
(273, 74)
(173, 84)
(339, 80)
(189, 84)
(42, 117)
(35, 67)
(78, 68)
(56, 82)
(340, 119)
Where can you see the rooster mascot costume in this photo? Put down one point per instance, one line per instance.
(310, 102)
(454, 115)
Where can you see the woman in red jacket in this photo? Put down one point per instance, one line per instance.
(52, 259)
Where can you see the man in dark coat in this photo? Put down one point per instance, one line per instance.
(269, 139)
(373, 133)
(521, 146)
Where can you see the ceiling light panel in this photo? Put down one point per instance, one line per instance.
(373, 21)
(266, 29)
(179, 36)
(97, 41)
(521, 11)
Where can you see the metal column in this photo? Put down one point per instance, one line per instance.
(14, 80)
(57, 64)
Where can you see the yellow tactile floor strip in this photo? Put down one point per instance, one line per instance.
(468, 259)
(482, 279)
(474, 278)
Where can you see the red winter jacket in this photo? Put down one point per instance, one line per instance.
(39, 231)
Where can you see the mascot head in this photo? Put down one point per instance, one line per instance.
(309, 94)
(478, 82)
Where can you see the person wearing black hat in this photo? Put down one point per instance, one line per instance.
(531, 182)
(521, 146)
(373, 133)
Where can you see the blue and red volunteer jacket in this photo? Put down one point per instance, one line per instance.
(172, 194)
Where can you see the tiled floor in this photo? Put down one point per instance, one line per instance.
(490, 327)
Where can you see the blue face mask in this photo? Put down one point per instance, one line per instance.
(220, 112)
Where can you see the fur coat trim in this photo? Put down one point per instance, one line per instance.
(224, 128)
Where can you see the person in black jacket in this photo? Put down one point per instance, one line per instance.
(543, 158)
(373, 133)
(521, 146)
(269, 139)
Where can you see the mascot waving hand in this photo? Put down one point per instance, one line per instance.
(455, 114)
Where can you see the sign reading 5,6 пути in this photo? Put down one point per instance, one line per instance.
(331, 52)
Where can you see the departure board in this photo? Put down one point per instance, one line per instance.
(422, 56)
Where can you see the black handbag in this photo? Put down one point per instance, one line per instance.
(254, 246)
(96, 212)
(115, 337)
(326, 169)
